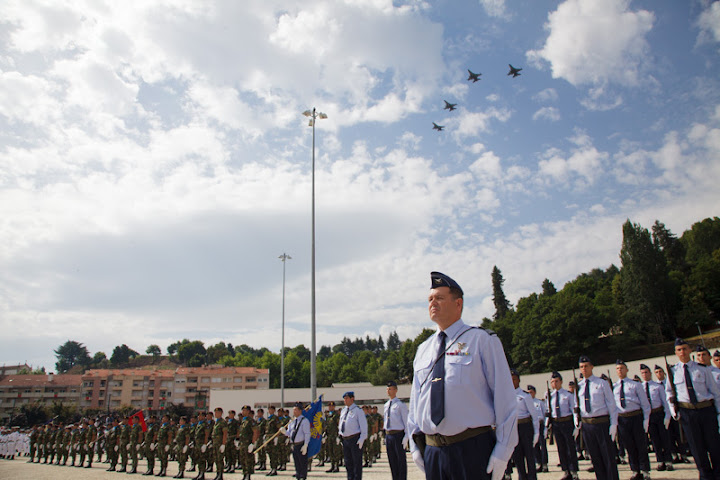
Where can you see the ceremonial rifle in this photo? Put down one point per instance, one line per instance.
(548, 415)
(671, 378)
(577, 406)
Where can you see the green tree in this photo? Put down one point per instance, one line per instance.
(69, 354)
(153, 350)
(191, 350)
(393, 342)
(548, 289)
(502, 305)
(121, 355)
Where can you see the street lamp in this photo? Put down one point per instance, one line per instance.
(313, 115)
(282, 258)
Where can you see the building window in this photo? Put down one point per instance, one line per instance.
(250, 379)
(216, 380)
(205, 380)
(102, 383)
(192, 379)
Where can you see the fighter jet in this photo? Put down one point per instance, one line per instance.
(437, 127)
(449, 106)
(514, 71)
(474, 76)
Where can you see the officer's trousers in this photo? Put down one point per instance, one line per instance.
(466, 460)
(602, 452)
(634, 439)
(660, 437)
(396, 455)
(353, 457)
(565, 445)
(701, 428)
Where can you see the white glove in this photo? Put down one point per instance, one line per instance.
(303, 449)
(418, 459)
(222, 448)
(275, 440)
(646, 425)
(667, 423)
(203, 448)
(372, 437)
(405, 441)
(497, 467)
(127, 447)
(237, 443)
(185, 449)
(337, 440)
(283, 430)
(576, 432)
(116, 448)
(251, 447)
(323, 439)
(360, 444)
(613, 432)
(152, 447)
(287, 440)
(167, 448)
(536, 438)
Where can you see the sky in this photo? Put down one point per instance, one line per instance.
(155, 162)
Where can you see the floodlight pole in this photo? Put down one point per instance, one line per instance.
(282, 258)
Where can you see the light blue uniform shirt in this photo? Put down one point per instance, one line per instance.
(478, 387)
(657, 396)
(703, 383)
(567, 403)
(395, 415)
(715, 373)
(302, 426)
(355, 422)
(540, 405)
(525, 407)
(635, 397)
(602, 401)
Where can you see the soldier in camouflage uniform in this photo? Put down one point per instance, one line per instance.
(219, 440)
(41, 443)
(287, 446)
(367, 457)
(182, 442)
(201, 440)
(233, 427)
(164, 440)
(33, 443)
(150, 444)
(210, 453)
(378, 426)
(82, 437)
(191, 448)
(58, 445)
(332, 438)
(247, 459)
(50, 444)
(136, 438)
(124, 443)
(90, 438)
(111, 443)
(261, 454)
(272, 425)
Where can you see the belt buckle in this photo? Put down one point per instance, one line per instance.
(442, 440)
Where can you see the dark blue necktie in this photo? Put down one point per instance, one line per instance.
(388, 415)
(689, 385)
(437, 384)
(622, 394)
(588, 409)
(647, 392)
(557, 404)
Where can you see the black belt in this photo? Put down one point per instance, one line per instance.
(299, 443)
(351, 437)
(634, 413)
(438, 440)
(658, 409)
(696, 406)
(394, 432)
(563, 419)
(524, 420)
(596, 420)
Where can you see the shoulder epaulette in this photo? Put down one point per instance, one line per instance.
(490, 332)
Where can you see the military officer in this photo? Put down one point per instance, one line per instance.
(703, 357)
(461, 387)
(633, 420)
(112, 444)
(561, 405)
(528, 426)
(396, 434)
(599, 420)
(695, 396)
(124, 443)
(716, 358)
(91, 437)
(298, 431)
(354, 432)
(201, 439)
(659, 419)
(233, 428)
(541, 453)
(262, 427)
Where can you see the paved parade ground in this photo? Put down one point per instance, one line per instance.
(19, 469)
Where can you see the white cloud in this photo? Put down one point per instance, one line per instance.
(546, 95)
(709, 23)
(581, 50)
(494, 8)
(473, 123)
(582, 167)
(547, 113)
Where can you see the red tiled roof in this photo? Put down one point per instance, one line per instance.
(128, 372)
(220, 370)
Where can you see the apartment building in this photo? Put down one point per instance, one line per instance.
(193, 385)
(135, 387)
(19, 390)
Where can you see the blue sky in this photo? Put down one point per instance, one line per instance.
(154, 160)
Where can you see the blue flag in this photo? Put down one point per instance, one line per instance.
(314, 416)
